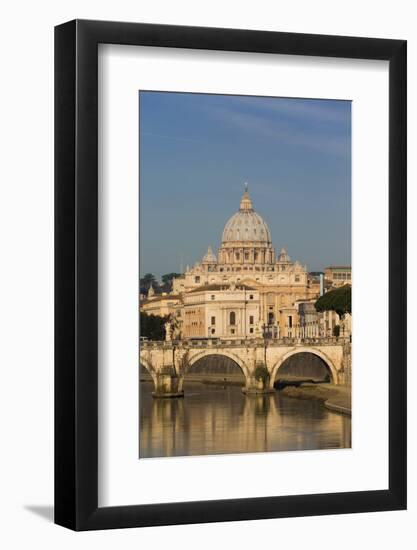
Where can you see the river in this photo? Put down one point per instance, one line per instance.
(213, 420)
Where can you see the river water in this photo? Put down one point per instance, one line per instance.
(213, 420)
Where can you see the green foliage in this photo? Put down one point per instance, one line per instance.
(152, 326)
(146, 281)
(261, 373)
(338, 300)
(149, 279)
(167, 281)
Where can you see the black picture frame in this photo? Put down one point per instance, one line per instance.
(76, 273)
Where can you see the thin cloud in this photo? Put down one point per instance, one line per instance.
(282, 131)
(302, 109)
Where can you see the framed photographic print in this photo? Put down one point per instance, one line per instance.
(230, 275)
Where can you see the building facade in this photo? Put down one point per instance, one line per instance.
(338, 275)
(162, 305)
(246, 265)
(221, 311)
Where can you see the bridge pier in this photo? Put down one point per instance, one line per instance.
(258, 382)
(168, 384)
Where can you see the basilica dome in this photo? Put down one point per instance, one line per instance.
(246, 225)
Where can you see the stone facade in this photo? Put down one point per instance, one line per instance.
(246, 259)
(214, 311)
(338, 275)
(160, 304)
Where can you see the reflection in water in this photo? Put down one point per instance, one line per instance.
(213, 420)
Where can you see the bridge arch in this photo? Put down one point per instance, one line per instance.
(211, 353)
(295, 351)
(148, 366)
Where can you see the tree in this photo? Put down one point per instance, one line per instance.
(146, 281)
(152, 326)
(167, 281)
(338, 300)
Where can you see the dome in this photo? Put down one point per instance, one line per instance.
(246, 225)
(209, 257)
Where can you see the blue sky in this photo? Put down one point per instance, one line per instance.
(196, 152)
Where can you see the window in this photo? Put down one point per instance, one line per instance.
(237, 255)
(256, 255)
(213, 320)
(290, 321)
(232, 331)
(251, 330)
(251, 319)
(232, 318)
(250, 296)
(197, 279)
(297, 278)
(246, 255)
(213, 330)
(213, 297)
(270, 318)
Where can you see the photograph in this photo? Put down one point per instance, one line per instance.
(192, 196)
(245, 274)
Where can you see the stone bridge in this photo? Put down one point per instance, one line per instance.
(259, 360)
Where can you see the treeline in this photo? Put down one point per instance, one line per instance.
(338, 300)
(152, 326)
(159, 287)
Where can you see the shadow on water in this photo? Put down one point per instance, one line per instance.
(282, 383)
(300, 368)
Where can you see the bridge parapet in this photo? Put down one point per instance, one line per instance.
(247, 343)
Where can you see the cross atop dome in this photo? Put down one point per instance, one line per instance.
(245, 202)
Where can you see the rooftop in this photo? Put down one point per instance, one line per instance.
(218, 287)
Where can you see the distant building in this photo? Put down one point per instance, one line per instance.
(329, 320)
(308, 320)
(226, 311)
(338, 275)
(246, 258)
(246, 291)
(159, 304)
